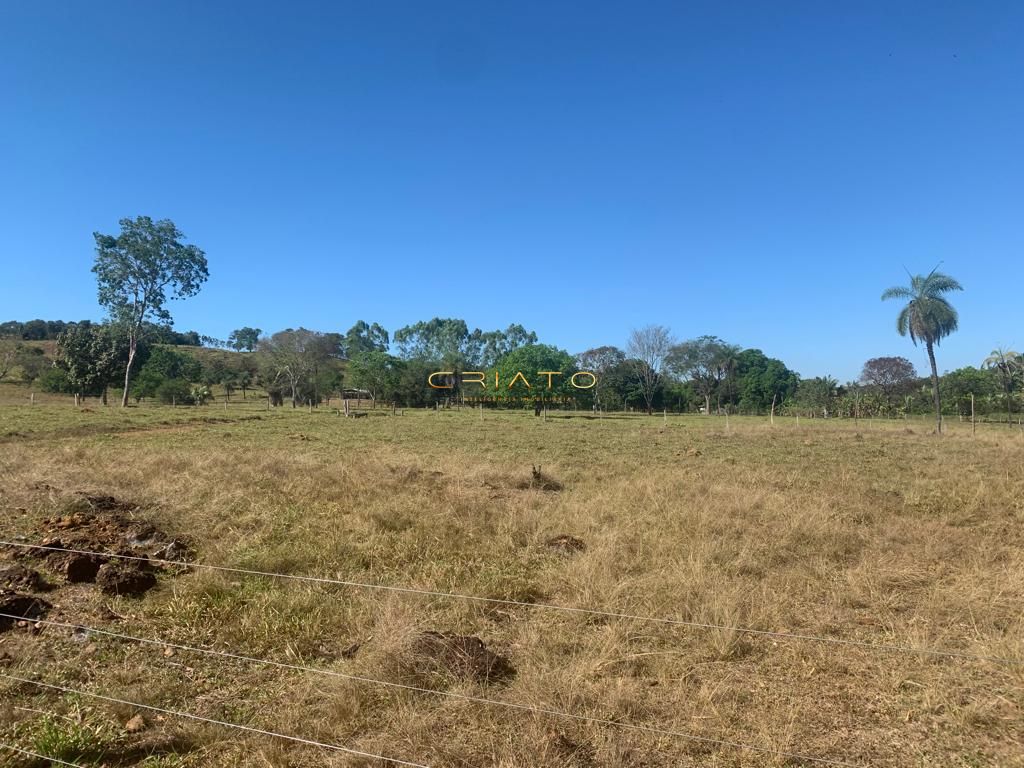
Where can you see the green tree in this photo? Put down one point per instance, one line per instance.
(891, 377)
(295, 356)
(929, 317)
(90, 356)
(817, 395)
(622, 386)
(378, 372)
(599, 361)
(244, 339)
(1007, 364)
(363, 337)
(10, 351)
(761, 380)
(963, 383)
(483, 349)
(32, 362)
(530, 361)
(34, 330)
(135, 272)
(441, 340)
(702, 361)
(163, 364)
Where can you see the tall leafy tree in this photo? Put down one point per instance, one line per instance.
(599, 361)
(244, 339)
(139, 271)
(441, 340)
(762, 380)
(90, 356)
(530, 360)
(363, 337)
(891, 377)
(483, 349)
(928, 317)
(297, 357)
(703, 361)
(377, 372)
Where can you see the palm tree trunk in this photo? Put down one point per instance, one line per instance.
(935, 387)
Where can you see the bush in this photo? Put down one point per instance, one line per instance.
(54, 380)
(201, 395)
(174, 392)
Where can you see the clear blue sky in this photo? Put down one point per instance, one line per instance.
(759, 171)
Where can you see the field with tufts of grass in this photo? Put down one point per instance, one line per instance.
(878, 533)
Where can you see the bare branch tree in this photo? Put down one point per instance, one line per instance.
(646, 349)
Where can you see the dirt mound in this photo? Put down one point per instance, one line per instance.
(539, 481)
(97, 525)
(126, 577)
(565, 544)
(25, 607)
(18, 577)
(461, 656)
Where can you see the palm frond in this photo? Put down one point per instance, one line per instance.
(897, 292)
(937, 283)
(903, 322)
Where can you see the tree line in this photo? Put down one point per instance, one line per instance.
(136, 351)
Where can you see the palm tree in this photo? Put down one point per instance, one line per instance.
(1007, 362)
(928, 317)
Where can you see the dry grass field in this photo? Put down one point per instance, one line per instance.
(879, 533)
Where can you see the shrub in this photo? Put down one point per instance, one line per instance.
(174, 391)
(54, 380)
(201, 394)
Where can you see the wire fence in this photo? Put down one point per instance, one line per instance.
(779, 635)
(536, 711)
(37, 756)
(448, 694)
(212, 721)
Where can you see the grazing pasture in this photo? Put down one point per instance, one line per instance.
(866, 539)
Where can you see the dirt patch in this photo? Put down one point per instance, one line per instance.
(18, 577)
(95, 525)
(126, 577)
(24, 607)
(564, 544)
(461, 656)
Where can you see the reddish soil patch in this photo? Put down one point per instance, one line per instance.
(97, 525)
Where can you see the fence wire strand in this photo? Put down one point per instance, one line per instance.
(457, 696)
(37, 756)
(789, 636)
(212, 721)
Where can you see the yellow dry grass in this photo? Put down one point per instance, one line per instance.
(874, 532)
